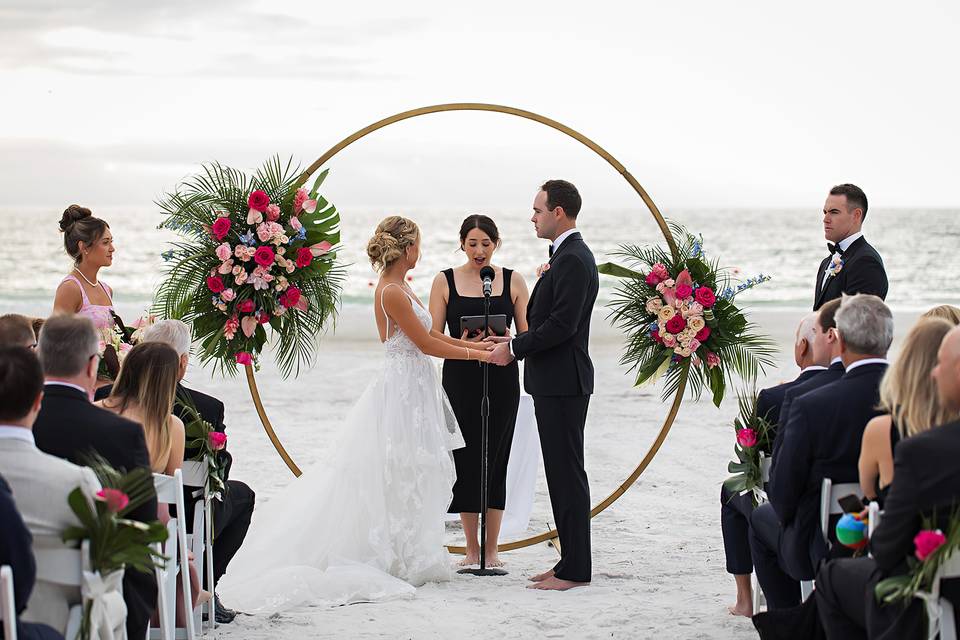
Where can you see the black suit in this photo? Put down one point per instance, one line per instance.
(735, 509)
(16, 551)
(862, 272)
(926, 478)
(559, 376)
(68, 427)
(821, 439)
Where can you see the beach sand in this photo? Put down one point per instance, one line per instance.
(657, 552)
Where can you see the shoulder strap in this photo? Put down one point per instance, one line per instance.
(507, 279)
(107, 289)
(382, 308)
(451, 283)
(83, 292)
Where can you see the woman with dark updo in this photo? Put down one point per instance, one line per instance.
(89, 242)
(458, 292)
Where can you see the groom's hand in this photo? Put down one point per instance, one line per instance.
(500, 355)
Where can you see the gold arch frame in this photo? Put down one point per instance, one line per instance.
(600, 151)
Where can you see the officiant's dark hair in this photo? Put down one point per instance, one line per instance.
(856, 198)
(561, 193)
(482, 222)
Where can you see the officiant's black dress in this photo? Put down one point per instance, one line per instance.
(463, 382)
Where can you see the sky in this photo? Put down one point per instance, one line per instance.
(708, 104)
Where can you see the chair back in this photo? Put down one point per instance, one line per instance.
(194, 473)
(170, 491)
(829, 494)
(8, 609)
(874, 517)
(765, 464)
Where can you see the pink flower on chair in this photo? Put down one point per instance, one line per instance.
(747, 437)
(115, 499)
(926, 542)
(217, 440)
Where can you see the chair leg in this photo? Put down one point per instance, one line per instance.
(756, 592)
(806, 588)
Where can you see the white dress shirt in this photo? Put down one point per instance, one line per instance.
(866, 361)
(15, 432)
(563, 236)
(813, 367)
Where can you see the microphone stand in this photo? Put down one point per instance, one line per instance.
(484, 454)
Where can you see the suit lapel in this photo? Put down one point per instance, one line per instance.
(821, 285)
(564, 245)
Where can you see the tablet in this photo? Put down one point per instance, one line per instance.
(474, 324)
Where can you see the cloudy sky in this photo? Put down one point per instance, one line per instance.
(708, 104)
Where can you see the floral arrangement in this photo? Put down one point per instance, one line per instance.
(681, 322)
(115, 541)
(201, 436)
(932, 550)
(753, 434)
(116, 341)
(257, 252)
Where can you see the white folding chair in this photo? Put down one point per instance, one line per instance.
(829, 494)
(873, 514)
(201, 540)
(65, 566)
(8, 610)
(170, 491)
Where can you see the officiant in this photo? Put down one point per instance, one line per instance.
(853, 265)
(457, 292)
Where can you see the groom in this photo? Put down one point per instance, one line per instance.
(559, 374)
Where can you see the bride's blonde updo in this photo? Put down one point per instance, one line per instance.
(391, 239)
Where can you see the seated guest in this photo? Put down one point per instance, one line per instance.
(70, 427)
(37, 324)
(910, 402)
(16, 552)
(948, 312)
(821, 439)
(231, 516)
(144, 392)
(40, 482)
(927, 481)
(17, 331)
(735, 509)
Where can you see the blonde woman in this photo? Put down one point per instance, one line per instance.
(910, 400)
(367, 524)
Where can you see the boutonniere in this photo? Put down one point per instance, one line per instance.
(542, 269)
(836, 264)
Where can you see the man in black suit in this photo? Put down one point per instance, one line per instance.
(559, 374)
(926, 479)
(735, 509)
(853, 265)
(821, 440)
(70, 427)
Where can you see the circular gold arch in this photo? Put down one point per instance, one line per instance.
(600, 151)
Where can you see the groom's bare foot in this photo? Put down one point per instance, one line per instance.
(554, 583)
(540, 577)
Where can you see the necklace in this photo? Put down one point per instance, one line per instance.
(92, 284)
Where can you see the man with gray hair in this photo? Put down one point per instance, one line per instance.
(69, 426)
(821, 439)
(231, 516)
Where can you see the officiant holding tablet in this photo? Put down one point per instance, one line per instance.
(456, 300)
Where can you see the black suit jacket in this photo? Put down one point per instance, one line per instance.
(558, 315)
(862, 272)
(926, 478)
(69, 426)
(821, 439)
(770, 400)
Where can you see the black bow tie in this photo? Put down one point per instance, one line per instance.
(834, 248)
(550, 251)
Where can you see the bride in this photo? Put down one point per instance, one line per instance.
(369, 525)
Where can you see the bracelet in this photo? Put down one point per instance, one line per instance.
(467, 352)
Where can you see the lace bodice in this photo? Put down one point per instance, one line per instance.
(397, 342)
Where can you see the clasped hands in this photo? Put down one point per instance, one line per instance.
(498, 346)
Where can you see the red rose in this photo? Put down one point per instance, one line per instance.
(264, 256)
(705, 296)
(220, 228)
(676, 324)
(684, 291)
(215, 284)
(652, 279)
(703, 334)
(263, 317)
(246, 306)
(290, 297)
(747, 437)
(304, 257)
(258, 201)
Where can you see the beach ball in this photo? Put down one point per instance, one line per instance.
(852, 532)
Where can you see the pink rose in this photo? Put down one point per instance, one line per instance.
(217, 440)
(227, 295)
(246, 306)
(703, 334)
(747, 437)
(926, 542)
(684, 291)
(304, 257)
(669, 341)
(712, 360)
(215, 284)
(694, 344)
(115, 499)
(224, 252)
(705, 296)
(273, 213)
(676, 324)
(258, 201)
(263, 256)
(323, 247)
(298, 200)
(225, 267)
(243, 358)
(220, 228)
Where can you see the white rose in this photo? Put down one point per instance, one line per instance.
(696, 323)
(654, 305)
(666, 313)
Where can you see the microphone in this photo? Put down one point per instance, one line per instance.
(487, 274)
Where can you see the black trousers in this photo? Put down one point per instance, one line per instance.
(231, 519)
(781, 591)
(843, 596)
(735, 511)
(140, 596)
(560, 421)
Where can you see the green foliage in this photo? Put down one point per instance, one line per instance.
(747, 471)
(198, 432)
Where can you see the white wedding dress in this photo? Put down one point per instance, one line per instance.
(369, 525)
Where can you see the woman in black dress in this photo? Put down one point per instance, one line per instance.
(458, 292)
